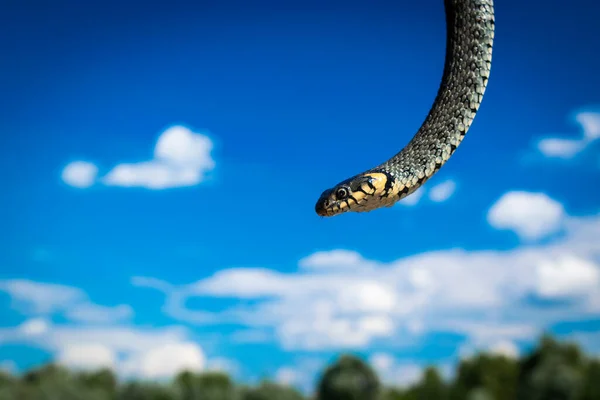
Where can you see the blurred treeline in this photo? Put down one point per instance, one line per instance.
(551, 371)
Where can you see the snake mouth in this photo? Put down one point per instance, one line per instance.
(321, 211)
(322, 206)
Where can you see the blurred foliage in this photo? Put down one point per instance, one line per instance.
(207, 386)
(270, 391)
(349, 378)
(551, 371)
(484, 375)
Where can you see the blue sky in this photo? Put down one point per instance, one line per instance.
(161, 165)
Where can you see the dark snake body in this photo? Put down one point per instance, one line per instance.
(469, 40)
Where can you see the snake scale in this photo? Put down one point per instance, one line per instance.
(469, 40)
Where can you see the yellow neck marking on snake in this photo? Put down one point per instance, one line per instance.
(378, 182)
(389, 189)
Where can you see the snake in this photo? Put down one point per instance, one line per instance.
(468, 57)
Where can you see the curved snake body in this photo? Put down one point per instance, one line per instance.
(469, 40)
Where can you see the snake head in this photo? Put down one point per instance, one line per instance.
(364, 192)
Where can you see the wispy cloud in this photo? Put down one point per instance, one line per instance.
(43, 298)
(251, 336)
(557, 147)
(181, 158)
(95, 313)
(342, 300)
(40, 298)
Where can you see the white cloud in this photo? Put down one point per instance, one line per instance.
(181, 158)
(395, 373)
(589, 123)
(331, 302)
(530, 215)
(80, 174)
(413, 199)
(330, 332)
(89, 356)
(244, 282)
(42, 298)
(286, 376)
(382, 362)
(333, 259)
(146, 353)
(567, 276)
(178, 145)
(166, 360)
(505, 348)
(442, 191)
(560, 148)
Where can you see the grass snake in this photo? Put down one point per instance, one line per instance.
(469, 39)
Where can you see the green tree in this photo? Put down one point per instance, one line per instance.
(270, 391)
(99, 384)
(479, 394)
(591, 385)
(185, 383)
(205, 386)
(431, 387)
(8, 386)
(495, 374)
(553, 371)
(350, 378)
(52, 382)
(146, 391)
(395, 394)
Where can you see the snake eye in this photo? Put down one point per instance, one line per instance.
(341, 193)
